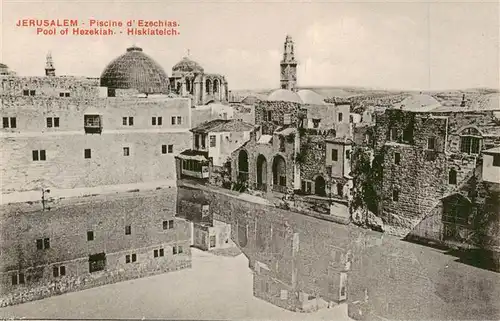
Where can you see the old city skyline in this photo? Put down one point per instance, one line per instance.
(410, 46)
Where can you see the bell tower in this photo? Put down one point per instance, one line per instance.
(288, 78)
(49, 66)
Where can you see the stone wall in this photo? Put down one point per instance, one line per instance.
(278, 110)
(66, 225)
(80, 87)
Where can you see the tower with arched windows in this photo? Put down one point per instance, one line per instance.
(288, 77)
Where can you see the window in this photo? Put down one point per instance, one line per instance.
(282, 144)
(126, 151)
(61, 94)
(174, 249)
(170, 149)
(212, 140)
(87, 153)
(496, 160)
(43, 244)
(316, 123)
(287, 119)
(26, 92)
(341, 116)
(128, 121)
(128, 230)
(394, 134)
(205, 210)
(58, 271)
(127, 258)
(167, 149)
(397, 158)
(173, 120)
(134, 257)
(39, 155)
(92, 124)
(9, 122)
(395, 195)
(212, 241)
(158, 253)
(196, 141)
(269, 115)
(452, 177)
(52, 122)
(179, 120)
(306, 187)
(340, 190)
(168, 224)
(408, 134)
(64, 94)
(470, 145)
(348, 154)
(335, 155)
(18, 279)
(179, 249)
(156, 121)
(90, 235)
(32, 92)
(431, 143)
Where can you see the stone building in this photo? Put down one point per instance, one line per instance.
(288, 65)
(190, 80)
(64, 132)
(49, 248)
(426, 162)
(299, 263)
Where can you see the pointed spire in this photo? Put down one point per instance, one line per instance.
(49, 65)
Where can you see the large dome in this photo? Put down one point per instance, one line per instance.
(419, 102)
(284, 95)
(187, 65)
(135, 70)
(310, 97)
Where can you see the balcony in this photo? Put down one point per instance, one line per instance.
(92, 124)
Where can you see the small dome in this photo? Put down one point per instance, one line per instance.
(135, 70)
(187, 65)
(4, 70)
(487, 102)
(419, 102)
(310, 97)
(284, 95)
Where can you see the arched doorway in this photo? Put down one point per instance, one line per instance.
(279, 173)
(261, 173)
(319, 186)
(456, 213)
(243, 166)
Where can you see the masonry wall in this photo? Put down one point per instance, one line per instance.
(51, 86)
(267, 235)
(278, 110)
(65, 165)
(66, 225)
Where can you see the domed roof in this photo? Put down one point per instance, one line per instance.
(284, 95)
(310, 97)
(419, 102)
(487, 102)
(4, 69)
(135, 70)
(187, 65)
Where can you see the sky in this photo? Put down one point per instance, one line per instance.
(392, 45)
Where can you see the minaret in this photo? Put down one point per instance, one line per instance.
(288, 79)
(49, 66)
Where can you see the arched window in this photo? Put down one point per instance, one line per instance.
(470, 141)
(216, 86)
(208, 84)
(452, 177)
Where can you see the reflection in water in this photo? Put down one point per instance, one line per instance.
(298, 262)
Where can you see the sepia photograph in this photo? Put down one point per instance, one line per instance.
(250, 160)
